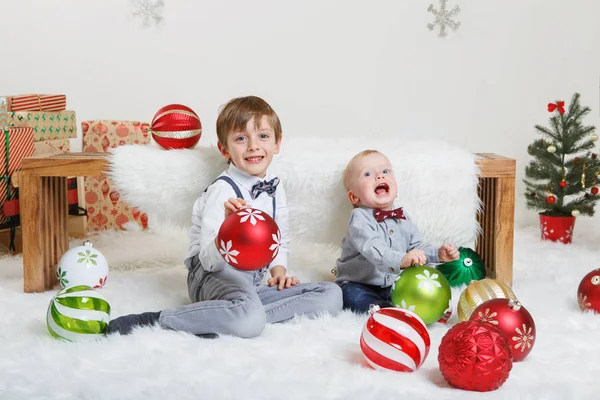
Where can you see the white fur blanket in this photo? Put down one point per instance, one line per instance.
(437, 184)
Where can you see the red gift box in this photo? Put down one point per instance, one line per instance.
(38, 102)
(15, 144)
(105, 209)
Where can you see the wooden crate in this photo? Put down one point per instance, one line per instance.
(44, 216)
(497, 193)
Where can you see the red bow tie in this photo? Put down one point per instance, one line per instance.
(381, 215)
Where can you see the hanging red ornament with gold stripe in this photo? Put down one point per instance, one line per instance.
(176, 127)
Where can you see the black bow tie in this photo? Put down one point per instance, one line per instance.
(265, 186)
(381, 215)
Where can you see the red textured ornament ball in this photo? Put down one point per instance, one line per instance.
(563, 184)
(550, 199)
(594, 190)
(476, 356)
(249, 239)
(176, 127)
(395, 339)
(513, 320)
(588, 292)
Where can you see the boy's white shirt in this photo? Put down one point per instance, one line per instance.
(208, 216)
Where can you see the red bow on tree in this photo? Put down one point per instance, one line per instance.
(381, 215)
(560, 105)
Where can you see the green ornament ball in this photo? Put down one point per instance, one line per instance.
(468, 267)
(78, 314)
(424, 291)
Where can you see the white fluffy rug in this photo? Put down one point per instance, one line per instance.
(302, 359)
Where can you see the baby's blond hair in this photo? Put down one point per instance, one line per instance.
(348, 171)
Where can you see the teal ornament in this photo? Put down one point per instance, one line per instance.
(468, 267)
(78, 314)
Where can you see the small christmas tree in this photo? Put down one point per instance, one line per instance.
(562, 178)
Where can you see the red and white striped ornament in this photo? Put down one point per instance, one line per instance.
(447, 314)
(395, 339)
(176, 127)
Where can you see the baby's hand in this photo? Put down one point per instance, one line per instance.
(413, 257)
(448, 252)
(232, 205)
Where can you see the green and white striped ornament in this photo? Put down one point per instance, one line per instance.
(78, 313)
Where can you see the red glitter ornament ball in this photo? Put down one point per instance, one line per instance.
(249, 239)
(563, 184)
(476, 356)
(176, 127)
(550, 199)
(513, 320)
(588, 292)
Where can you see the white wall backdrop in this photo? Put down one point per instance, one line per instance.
(329, 67)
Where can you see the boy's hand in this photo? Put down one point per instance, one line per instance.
(415, 256)
(232, 205)
(280, 279)
(448, 252)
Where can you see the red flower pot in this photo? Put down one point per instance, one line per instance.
(557, 228)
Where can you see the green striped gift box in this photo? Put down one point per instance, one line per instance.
(78, 313)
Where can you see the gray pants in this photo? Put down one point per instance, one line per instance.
(234, 302)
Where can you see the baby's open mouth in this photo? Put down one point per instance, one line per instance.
(254, 160)
(382, 189)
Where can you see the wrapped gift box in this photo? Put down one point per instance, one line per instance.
(36, 102)
(105, 209)
(6, 237)
(4, 110)
(47, 125)
(52, 146)
(15, 144)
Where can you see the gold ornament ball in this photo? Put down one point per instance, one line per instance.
(551, 149)
(480, 291)
(594, 137)
(575, 213)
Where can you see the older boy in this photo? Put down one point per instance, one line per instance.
(226, 300)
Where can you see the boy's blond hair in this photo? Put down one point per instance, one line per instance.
(234, 116)
(348, 171)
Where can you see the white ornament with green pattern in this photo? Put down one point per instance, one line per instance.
(82, 265)
(78, 314)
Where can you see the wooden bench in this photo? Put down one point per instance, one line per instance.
(43, 202)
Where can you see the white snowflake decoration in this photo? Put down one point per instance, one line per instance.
(228, 253)
(251, 215)
(275, 246)
(486, 316)
(428, 281)
(409, 308)
(569, 232)
(584, 305)
(148, 10)
(443, 18)
(545, 231)
(524, 338)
